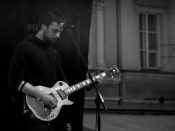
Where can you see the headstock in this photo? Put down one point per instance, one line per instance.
(112, 71)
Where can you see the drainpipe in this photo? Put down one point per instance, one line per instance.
(118, 52)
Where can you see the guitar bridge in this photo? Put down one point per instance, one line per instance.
(62, 94)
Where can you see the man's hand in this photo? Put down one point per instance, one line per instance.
(48, 100)
(97, 84)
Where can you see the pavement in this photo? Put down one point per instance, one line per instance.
(113, 121)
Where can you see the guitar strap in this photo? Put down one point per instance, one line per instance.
(63, 74)
(58, 54)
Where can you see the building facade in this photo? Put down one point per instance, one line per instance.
(138, 36)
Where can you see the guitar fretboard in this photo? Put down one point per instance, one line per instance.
(82, 84)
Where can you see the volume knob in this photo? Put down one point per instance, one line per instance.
(60, 83)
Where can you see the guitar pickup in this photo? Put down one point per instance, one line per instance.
(62, 94)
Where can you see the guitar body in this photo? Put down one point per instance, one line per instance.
(38, 108)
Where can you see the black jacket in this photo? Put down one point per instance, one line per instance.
(36, 62)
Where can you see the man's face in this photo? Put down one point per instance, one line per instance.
(52, 32)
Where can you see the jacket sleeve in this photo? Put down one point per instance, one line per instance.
(17, 67)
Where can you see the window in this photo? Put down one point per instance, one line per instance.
(149, 40)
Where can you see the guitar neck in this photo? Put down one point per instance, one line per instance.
(84, 83)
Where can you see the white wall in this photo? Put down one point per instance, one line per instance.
(169, 57)
(129, 36)
(110, 32)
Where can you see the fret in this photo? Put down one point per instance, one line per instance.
(97, 77)
(88, 81)
(70, 89)
(81, 84)
(78, 85)
(73, 88)
(84, 83)
(103, 74)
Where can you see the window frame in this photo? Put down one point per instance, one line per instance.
(146, 49)
(161, 13)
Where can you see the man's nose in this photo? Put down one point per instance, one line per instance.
(61, 28)
(57, 34)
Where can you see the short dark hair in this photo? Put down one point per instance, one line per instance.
(51, 15)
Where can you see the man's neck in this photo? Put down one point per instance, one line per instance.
(39, 35)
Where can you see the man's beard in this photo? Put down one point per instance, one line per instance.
(46, 39)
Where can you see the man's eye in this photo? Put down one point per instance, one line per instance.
(55, 31)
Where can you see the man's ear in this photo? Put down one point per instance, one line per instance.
(43, 27)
